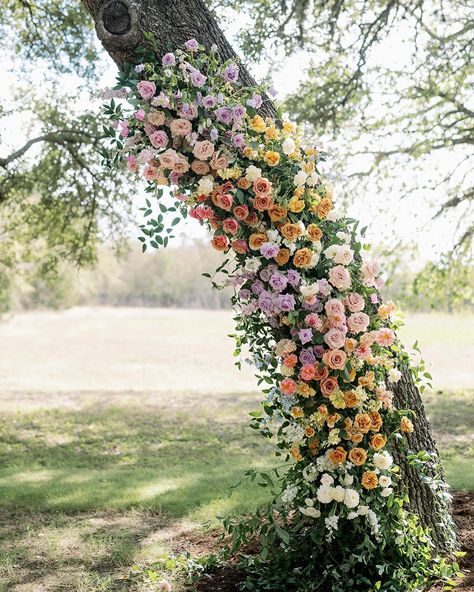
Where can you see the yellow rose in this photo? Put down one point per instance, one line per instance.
(258, 124)
(297, 412)
(296, 205)
(272, 133)
(369, 480)
(288, 127)
(272, 158)
(249, 153)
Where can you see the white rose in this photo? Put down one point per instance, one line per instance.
(300, 178)
(339, 494)
(363, 510)
(351, 498)
(308, 291)
(314, 259)
(385, 481)
(310, 473)
(327, 479)
(205, 185)
(352, 515)
(311, 512)
(347, 480)
(286, 370)
(334, 215)
(386, 492)
(331, 251)
(312, 179)
(288, 146)
(383, 460)
(252, 173)
(394, 375)
(344, 255)
(325, 494)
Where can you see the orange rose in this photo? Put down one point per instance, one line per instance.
(253, 219)
(368, 380)
(272, 158)
(295, 452)
(314, 232)
(277, 213)
(358, 456)
(335, 359)
(257, 239)
(262, 202)
(244, 183)
(309, 431)
(262, 187)
(351, 399)
(376, 421)
(302, 258)
(369, 480)
(321, 373)
(283, 256)
(332, 419)
(406, 424)
(241, 212)
(329, 386)
(220, 243)
(291, 231)
(378, 441)
(324, 207)
(357, 438)
(313, 446)
(363, 422)
(338, 456)
(297, 411)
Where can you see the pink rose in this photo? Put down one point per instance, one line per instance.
(200, 167)
(225, 201)
(240, 246)
(180, 127)
(158, 139)
(145, 155)
(203, 150)
(140, 115)
(132, 163)
(168, 159)
(219, 161)
(230, 225)
(354, 302)
(156, 118)
(385, 337)
(334, 308)
(358, 322)
(335, 338)
(339, 277)
(146, 89)
(181, 165)
(370, 270)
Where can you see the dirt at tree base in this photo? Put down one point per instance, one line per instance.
(227, 579)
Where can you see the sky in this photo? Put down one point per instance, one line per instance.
(406, 220)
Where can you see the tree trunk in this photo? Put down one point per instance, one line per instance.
(120, 26)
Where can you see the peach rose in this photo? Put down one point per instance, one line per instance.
(180, 127)
(291, 360)
(354, 302)
(200, 167)
(156, 118)
(203, 150)
(377, 421)
(262, 202)
(230, 225)
(335, 359)
(314, 233)
(369, 480)
(244, 183)
(277, 213)
(262, 187)
(406, 424)
(219, 161)
(321, 373)
(256, 240)
(223, 201)
(309, 431)
(329, 386)
(283, 256)
(339, 277)
(338, 455)
(351, 399)
(363, 422)
(168, 159)
(288, 386)
(358, 456)
(307, 372)
(291, 231)
(297, 411)
(385, 337)
(220, 243)
(334, 308)
(378, 441)
(358, 322)
(241, 212)
(253, 219)
(302, 257)
(181, 165)
(324, 207)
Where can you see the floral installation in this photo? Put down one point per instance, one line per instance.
(308, 309)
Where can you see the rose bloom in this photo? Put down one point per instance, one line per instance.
(291, 231)
(219, 161)
(181, 165)
(180, 127)
(158, 139)
(378, 441)
(358, 322)
(338, 455)
(385, 337)
(200, 167)
(369, 480)
(230, 225)
(262, 202)
(253, 219)
(146, 89)
(285, 347)
(296, 411)
(351, 399)
(406, 425)
(334, 308)
(168, 159)
(354, 302)
(290, 360)
(277, 213)
(288, 386)
(329, 386)
(302, 257)
(309, 432)
(256, 240)
(335, 359)
(220, 243)
(132, 163)
(377, 421)
(241, 212)
(223, 201)
(203, 150)
(314, 233)
(324, 207)
(283, 256)
(339, 277)
(307, 372)
(272, 158)
(344, 255)
(363, 422)
(244, 183)
(321, 373)
(358, 456)
(240, 246)
(156, 118)
(262, 186)
(335, 338)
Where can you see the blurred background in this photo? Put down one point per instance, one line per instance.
(123, 421)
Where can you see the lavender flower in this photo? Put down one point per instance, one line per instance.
(239, 111)
(255, 101)
(278, 282)
(307, 356)
(231, 73)
(257, 287)
(197, 78)
(238, 140)
(267, 272)
(139, 68)
(287, 302)
(224, 115)
(269, 250)
(213, 134)
(305, 335)
(294, 277)
(209, 102)
(244, 294)
(192, 45)
(168, 59)
(265, 302)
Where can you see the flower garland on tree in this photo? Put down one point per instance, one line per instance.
(309, 311)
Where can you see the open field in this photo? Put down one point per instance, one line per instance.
(122, 431)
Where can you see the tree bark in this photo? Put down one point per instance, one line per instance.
(120, 26)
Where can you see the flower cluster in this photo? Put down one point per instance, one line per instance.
(308, 302)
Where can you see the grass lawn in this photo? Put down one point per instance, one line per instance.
(93, 482)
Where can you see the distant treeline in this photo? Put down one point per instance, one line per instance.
(173, 278)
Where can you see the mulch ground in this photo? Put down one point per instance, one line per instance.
(228, 578)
